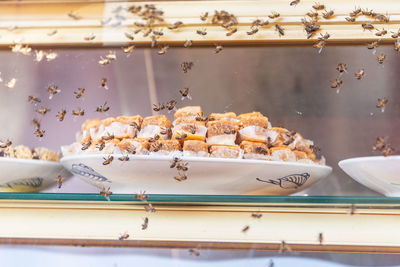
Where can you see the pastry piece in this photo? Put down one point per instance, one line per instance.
(72, 149)
(302, 157)
(195, 148)
(254, 150)
(18, 152)
(222, 132)
(155, 125)
(104, 147)
(282, 153)
(253, 127)
(139, 146)
(165, 147)
(218, 151)
(228, 116)
(188, 128)
(120, 127)
(189, 111)
(42, 153)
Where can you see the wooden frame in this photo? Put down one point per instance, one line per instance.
(101, 223)
(30, 22)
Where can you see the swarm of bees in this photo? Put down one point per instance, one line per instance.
(182, 168)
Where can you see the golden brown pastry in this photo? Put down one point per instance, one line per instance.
(218, 151)
(222, 132)
(195, 148)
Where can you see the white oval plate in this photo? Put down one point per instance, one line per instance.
(28, 175)
(205, 175)
(381, 174)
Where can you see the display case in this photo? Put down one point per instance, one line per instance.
(326, 70)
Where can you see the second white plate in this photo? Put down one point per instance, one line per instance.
(205, 175)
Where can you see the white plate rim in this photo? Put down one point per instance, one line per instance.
(30, 161)
(362, 159)
(199, 159)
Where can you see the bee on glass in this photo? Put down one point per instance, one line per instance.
(124, 236)
(74, 15)
(245, 229)
(186, 66)
(204, 16)
(101, 145)
(181, 177)
(328, 14)
(39, 132)
(188, 43)
(79, 93)
(279, 29)
(5, 144)
(104, 83)
(33, 99)
(201, 32)
(42, 111)
(53, 90)
(171, 105)
(108, 160)
(341, 68)
(153, 139)
(104, 108)
(194, 252)
(163, 50)
(185, 93)
(175, 25)
(367, 26)
(320, 238)
(128, 50)
(158, 107)
(382, 102)
(231, 32)
(318, 6)
(129, 36)
(61, 114)
(181, 137)
(360, 74)
(256, 215)
(149, 208)
(89, 37)
(253, 30)
(218, 48)
(141, 196)
(59, 180)
(107, 137)
(381, 32)
(294, 2)
(145, 223)
(182, 166)
(381, 58)
(274, 15)
(124, 158)
(86, 145)
(78, 112)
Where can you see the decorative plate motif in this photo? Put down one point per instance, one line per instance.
(83, 170)
(35, 182)
(292, 181)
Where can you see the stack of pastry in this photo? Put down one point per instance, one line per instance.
(190, 130)
(220, 135)
(24, 152)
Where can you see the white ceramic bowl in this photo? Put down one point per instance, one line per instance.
(381, 174)
(205, 175)
(29, 175)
